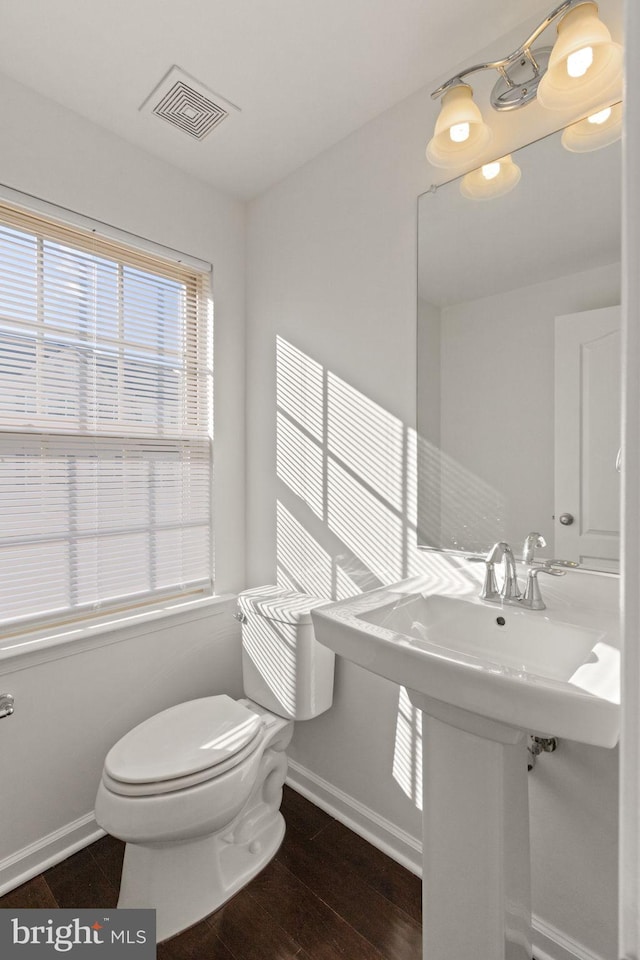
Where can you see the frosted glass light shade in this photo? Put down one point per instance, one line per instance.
(597, 74)
(462, 145)
(598, 130)
(485, 183)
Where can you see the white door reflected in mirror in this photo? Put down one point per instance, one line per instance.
(587, 437)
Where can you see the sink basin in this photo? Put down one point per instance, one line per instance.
(526, 668)
(522, 640)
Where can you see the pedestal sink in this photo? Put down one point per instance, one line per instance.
(485, 676)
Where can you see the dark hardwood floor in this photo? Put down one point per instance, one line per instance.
(327, 895)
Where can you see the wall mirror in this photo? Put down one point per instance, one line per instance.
(519, 359)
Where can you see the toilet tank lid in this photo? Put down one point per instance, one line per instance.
(280, 603)
(183, 740)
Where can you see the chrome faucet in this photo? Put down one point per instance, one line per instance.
(509, 592)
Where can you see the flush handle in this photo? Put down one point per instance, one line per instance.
(6, 705)
(566, 519)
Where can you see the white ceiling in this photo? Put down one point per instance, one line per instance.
(305, 73)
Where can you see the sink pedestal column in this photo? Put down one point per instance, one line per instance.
(476, 881)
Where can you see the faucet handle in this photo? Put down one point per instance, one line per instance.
(532, 596)
(555, 568)
(489, 587)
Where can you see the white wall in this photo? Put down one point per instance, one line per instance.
(331, 482)
(69, 711)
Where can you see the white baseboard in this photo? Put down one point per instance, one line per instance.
(548, 942)
(386, 836)
(46, 852)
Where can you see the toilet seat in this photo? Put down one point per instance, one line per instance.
(183, 746)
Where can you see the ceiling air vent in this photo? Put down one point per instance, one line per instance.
(187, 104)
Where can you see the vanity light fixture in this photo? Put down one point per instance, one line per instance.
(491, 180)
(582, 72)
(585, 66)
(460, 134)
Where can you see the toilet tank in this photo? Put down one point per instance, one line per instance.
(284, 668)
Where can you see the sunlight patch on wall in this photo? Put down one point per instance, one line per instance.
(365, 524)
(368, 441)
(302, 563)
(345, 586)
(300, 388)
(424, 470)
(407, 754)
(300, 463)
(456, 508)
(344, 458)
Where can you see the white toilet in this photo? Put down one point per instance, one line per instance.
(195, 791)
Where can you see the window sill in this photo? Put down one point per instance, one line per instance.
(28, 649)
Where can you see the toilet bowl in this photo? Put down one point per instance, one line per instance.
(195, 790)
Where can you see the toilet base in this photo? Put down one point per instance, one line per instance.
(186, 881)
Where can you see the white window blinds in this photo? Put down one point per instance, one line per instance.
(105, 423)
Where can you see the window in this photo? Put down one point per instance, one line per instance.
(105, 423)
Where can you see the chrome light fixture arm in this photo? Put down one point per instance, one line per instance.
(502, 66)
